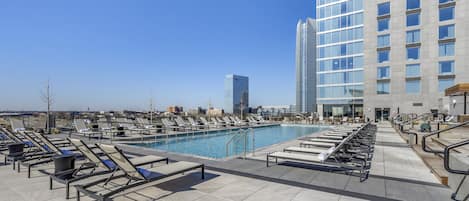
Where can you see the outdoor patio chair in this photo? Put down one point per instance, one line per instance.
(136, 176)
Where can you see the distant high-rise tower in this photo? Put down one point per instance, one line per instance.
(236, 94)
(306, 66)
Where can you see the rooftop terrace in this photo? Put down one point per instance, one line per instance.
(397, 173)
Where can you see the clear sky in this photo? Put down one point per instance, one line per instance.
(116, 54)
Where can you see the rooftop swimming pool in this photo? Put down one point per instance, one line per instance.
(214, 144)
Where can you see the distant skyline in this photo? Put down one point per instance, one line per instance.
(117, 55)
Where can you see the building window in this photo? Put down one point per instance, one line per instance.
(383, 41)
(412, 70)
(413, 4)
(446, 49)
(446, 31)
(413, 19)
(443, 84)
(446, 67)
(413, 53)
(447, 13)
(413, 36)
(445, 1)
(383, 24)
(412, 86)
(382, 88)
(383, 72)
(383, 56)
(384, 8)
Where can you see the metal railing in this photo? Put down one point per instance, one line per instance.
(242, 134)
(454, 171)
(424, 138)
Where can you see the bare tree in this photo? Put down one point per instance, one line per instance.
(47, 97)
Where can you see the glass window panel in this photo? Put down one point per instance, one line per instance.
(446, 67)
(443, 84)
(412, 86)
(382, 88)
(413, 70)
(447, 13)
(413, 4)
(383, 72)
(383, 24)
(413, 36)
(383, 56)
(413, 53)
(446, 49)
(446, 31)
(444, 1)
(413, 19)
(383, 40)
(384, 8)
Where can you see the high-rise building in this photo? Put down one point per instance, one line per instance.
(340, 57)
(414, 50)
(306, 66)
(236, 94)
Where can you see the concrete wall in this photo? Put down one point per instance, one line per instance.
(429, 96)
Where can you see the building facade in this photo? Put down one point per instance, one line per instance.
(414, 50)
(340, 57)
(306, 66)
(236, 94)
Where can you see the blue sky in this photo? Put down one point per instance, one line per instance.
(115, 54)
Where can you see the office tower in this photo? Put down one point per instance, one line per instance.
(236, 94)
(414, 50)
(340, 57)
(306, 66)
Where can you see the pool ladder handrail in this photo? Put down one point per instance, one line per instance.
(245, 133)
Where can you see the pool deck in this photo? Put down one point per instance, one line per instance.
(397, 174)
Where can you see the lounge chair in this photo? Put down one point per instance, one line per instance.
(95, 166)
(46, 154)
(82, 129)
(197, 125)
(218, 123)
(206, 123)
(182, 124)
(222, 122)
(169, 125)
(335, 156)
(131, 127)
(136, 176)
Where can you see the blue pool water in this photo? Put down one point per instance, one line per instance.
(213, 145)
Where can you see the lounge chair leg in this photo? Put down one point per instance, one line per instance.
(203, 172)
(19, 167)
(267, 161)
(167, 161)
(29, 172)
(50, 183)
(14, 163)
(78, 195)
(67, 191)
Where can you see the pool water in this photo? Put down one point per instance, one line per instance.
(213, 145)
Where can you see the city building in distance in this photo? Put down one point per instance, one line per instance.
(236, 94)
(414, 50)
(340, 57)
(306, 66)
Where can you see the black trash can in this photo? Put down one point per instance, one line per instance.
(64, 163)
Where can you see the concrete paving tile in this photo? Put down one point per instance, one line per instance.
(277, 192)
(309, 195)
(406, 191)
(300, 175)
(371, 186)
(331, 180)
(237, 191)
(211, 198)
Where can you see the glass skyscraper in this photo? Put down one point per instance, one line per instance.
(340, 57)
(236, 94)
(306, 66)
